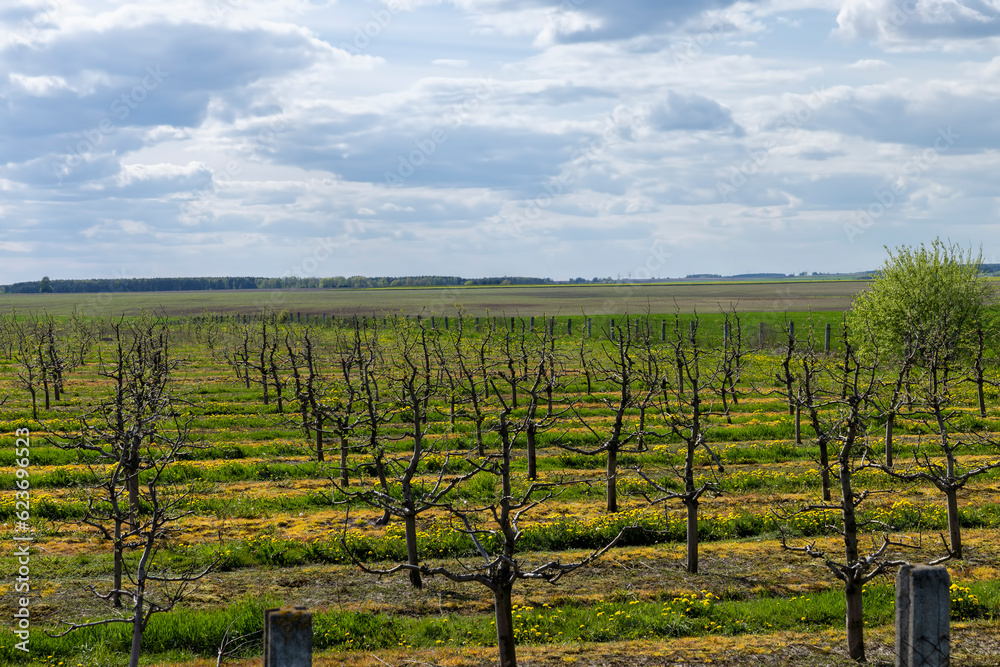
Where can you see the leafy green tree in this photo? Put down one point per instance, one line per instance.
(46, 285)
(922, 298)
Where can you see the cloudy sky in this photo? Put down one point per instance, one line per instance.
(556, 138)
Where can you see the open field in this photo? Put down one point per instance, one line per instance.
(552, 300)
(263, 504)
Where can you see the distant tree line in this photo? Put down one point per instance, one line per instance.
(249, 282)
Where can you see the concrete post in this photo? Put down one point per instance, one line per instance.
(663, 331)
(826, 339)
(612, 330)
(923, 608)
(588, 327)
(569, 326)
(287, 637)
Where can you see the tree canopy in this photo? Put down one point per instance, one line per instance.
(924, 300)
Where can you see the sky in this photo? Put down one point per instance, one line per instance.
(550, 138)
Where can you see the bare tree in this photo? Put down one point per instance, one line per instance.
(237, 352)
(733, 354)
(848, 423)
(614, 364)
(498, 523)
(472, 369)
(935, 406)
(136, 434)
(28, 357)
(539, 349)
(311, 386)
(686, 415)
(415, 496)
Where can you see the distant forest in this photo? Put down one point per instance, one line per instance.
(245, 282)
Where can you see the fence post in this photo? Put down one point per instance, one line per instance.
(588, 327)
(287, 637)
(923, 608)
(760, 335)
(612, 331)
(569, 326)
(826, 339)
(663, 331)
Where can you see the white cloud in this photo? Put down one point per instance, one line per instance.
(868, 63)
(611, 123)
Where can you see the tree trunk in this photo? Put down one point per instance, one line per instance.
(132, 479)
(319, 438)
(824, 465)
(612, 483)
(692, 535)
(505, 625)
(137, 620)
(116, 597)
(855, 622)
(410, 523)
(954, 527)
(852, 587)
(532, 463)
(890, 422)
(981, 396)
(344, 481)
(798, 424)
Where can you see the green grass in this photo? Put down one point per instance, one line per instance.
(675, 615)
